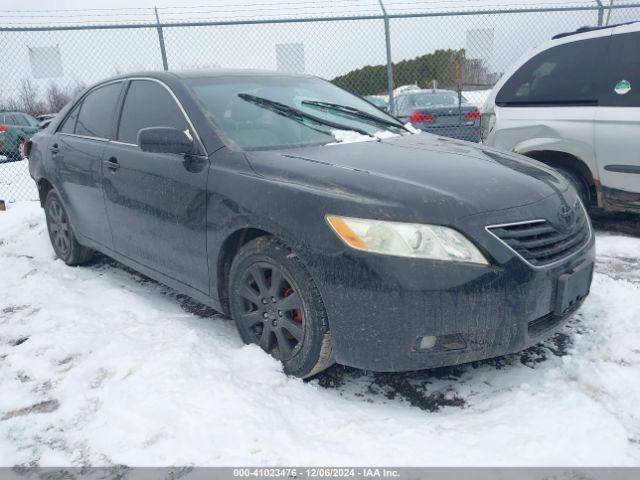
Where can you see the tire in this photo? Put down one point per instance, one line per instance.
(578, 183)
(63, 240)
(287, 318)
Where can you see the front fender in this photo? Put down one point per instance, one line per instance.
(581, 150)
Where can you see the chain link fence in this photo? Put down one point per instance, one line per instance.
(454, 57)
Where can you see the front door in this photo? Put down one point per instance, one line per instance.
(156, 203)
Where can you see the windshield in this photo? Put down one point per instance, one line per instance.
(432, 99)
(266, 112)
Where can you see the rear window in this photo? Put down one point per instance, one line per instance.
(562, 75)
(622, 75)
(435, 99)
(96, 113)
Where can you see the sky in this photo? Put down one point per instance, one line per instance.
(330, 48)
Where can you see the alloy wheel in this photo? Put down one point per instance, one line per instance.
(272, 310)
(59, 228)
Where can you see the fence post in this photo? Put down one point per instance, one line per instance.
(387, 38)
(163, 52)
(600, 12)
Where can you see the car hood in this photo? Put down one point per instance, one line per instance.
(444, 172)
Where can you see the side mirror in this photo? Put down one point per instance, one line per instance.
(165, 140)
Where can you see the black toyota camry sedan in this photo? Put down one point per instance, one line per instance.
(327, 229)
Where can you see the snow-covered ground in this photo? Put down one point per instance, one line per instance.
(101, 366)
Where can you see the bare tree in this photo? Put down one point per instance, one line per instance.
(78, 87)
(28, 100)
(56, 97)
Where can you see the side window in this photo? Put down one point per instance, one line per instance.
(69, 125)
(622, 75)
(148, 104)
(96, 113)
(20, 120)
(10, 119)
(562, 75)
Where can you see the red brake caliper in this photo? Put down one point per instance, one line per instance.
(297, 314)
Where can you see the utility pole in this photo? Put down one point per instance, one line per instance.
(387, 38)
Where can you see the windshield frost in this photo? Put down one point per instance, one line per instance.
(263, 112)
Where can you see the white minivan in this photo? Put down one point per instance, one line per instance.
(574, 103)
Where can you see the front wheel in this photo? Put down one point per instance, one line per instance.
(276, 305)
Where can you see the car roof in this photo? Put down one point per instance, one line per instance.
(586, 30)
(205, 73)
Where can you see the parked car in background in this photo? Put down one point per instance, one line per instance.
(45, 119)
(441, 112)
(45, 116)
(378, 101)
(15, 129)
(323, 226)
(574, 104)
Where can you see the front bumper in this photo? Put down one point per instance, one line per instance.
(379, 307)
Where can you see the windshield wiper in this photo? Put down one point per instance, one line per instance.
(298, 115)
(354, 112)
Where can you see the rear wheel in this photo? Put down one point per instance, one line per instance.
(276, 305)
(63, 240)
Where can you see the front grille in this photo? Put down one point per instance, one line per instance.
(541, 243)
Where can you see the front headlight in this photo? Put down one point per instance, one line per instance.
(405, 239)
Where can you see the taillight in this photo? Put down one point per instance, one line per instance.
(419, 117)
(3, 128)
(473, 116)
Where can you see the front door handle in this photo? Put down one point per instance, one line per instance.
(112, 164)
(54, 149)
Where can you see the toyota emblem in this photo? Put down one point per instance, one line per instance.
(566, 216)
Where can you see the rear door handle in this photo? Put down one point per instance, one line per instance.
(54, 149)
(112, 164)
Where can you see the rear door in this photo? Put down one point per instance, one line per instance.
(76, 149)
(618, 116)
(156, 203)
